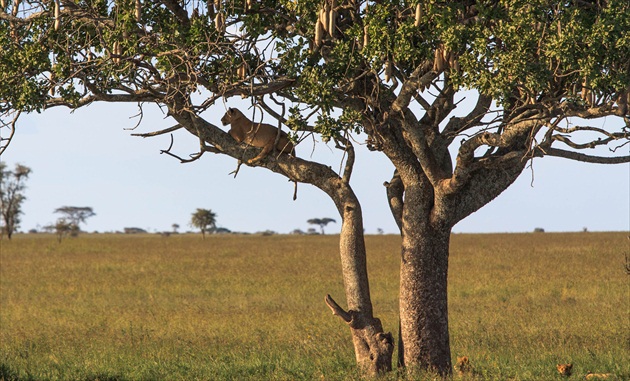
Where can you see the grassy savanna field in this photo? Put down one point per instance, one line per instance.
(116, 307)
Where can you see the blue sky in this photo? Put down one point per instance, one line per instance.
(88, 158)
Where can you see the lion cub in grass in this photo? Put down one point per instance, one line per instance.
(463, 366)
(565, 369)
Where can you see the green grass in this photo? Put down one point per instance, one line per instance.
(112, 307)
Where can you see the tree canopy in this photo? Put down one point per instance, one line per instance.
(76, 215)
(204, 220)
(321, 222)
(540, 60)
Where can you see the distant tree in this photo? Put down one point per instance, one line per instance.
(12, 186)
(204, 220)
(75, 215)
(175, 227)
(380, 231)
(63, 228)
(321, 222)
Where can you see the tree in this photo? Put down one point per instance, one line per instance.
(12, 186)
(204, 220)
(175, 227)
(74, 216)
(496, 84)
(321, 222)
(62, 228)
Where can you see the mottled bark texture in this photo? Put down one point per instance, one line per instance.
(423, 299)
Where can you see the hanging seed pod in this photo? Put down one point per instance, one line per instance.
(366, 38)
(418, 15)
(438, 63)
(319, 33)
(219, 23)
(388, 70)
(325, 17)
(2, 4)
(57, 16)
(242, 71)
(138, 10)
(116, 52)
(332, 19)
(217, 5)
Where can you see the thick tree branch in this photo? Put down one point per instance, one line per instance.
(245, 91)
(466, 163)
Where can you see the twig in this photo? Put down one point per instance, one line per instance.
(238, 167)
(161, 132)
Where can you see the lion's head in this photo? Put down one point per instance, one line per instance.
(564, 369)
(229, 115)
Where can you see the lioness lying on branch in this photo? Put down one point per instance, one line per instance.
(256, 134)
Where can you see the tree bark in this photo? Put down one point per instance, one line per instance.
(423, 298)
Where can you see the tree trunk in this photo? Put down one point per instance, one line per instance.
(423, 297)
(373, 347)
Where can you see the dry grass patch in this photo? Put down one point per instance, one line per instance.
(249, 307)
